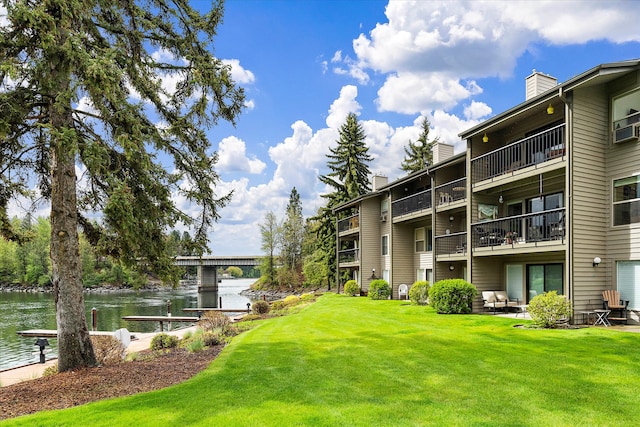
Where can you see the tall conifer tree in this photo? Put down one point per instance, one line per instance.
(419, 154)
(105, 88)
(348, 176)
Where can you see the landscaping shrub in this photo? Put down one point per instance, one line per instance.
(419, 292)
(549, 309)
(163, 341)
(379, 289)
(452, 296)
(210, 338)
(308, 297)
(249, 317)
(260, 307)
(50, 370)
(195, 345)
(108, 349)
(211, 320)
(277, 305)
(291, 300)
(351, 288)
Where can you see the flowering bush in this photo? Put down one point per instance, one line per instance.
(549, 309)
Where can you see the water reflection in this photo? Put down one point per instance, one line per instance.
(22, 311)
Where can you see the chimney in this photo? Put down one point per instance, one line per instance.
(441, 152)
(539, 82)
(379, 181)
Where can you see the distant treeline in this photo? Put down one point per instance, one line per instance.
(29, 263)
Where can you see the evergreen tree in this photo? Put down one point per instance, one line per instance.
(292, 233)
(349, 178)
(419, 154)
(81, 88)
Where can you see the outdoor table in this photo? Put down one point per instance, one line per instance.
(602, 317)
(522, 309)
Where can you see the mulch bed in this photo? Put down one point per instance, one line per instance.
(151, 371)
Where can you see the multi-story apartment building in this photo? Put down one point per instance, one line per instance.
(545, 197)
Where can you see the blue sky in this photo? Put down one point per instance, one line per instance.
(305, 64)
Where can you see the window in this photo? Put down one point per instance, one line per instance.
(384, 205)
(419, 238)
(629, 282)
(625, 110)
(385, 244)
(543, 278)
(626, 200)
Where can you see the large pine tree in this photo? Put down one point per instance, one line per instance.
(85, 87)
(348, 177)
(419, 154)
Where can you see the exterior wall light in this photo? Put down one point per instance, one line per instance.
(596, 261)
(550, 109)
(485, 138)
(373, 274)
(451, 267)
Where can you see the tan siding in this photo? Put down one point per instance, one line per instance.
(589, 210)
(403, 269)
(371, 231)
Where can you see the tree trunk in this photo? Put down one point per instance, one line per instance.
(74, 343)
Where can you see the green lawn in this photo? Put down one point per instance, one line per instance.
(355, 362)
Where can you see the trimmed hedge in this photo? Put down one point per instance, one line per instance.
(379, 289)
(452, 296)
(351, 288)
(549, 309)
(419, 292)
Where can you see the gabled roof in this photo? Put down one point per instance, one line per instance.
(597, 75)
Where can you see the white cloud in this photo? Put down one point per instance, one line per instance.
(433, 51)
(239, 74)
(476, 110)
(4, 21)
(411, 93)
(341, 107)
(232, 157)
(250, 104)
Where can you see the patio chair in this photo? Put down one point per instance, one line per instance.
(611, 301)
(502, 296)
(491, 302)
(403, 291)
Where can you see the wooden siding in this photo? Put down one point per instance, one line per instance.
(623, 242)
(371, 231)
(590, 208)
(403, 269)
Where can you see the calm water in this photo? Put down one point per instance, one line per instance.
(20, 311)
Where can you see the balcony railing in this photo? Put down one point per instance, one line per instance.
(451, 244)
(451, 191)
(349, 255)
(351, 223)
(414, 203)
(530, 228)
(527, 152)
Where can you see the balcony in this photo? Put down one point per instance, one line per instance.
(452, 244)
(348, 256)
(350, 224)
(451, 192)
(532, 229)
(531, 151)
(410, 204)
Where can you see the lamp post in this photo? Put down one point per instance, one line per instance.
(42, 343)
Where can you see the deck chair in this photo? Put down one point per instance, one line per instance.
(403, 291)
(491, 302)
(611, 301)
(502, 296)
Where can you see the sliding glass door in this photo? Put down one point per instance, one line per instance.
(543, 278)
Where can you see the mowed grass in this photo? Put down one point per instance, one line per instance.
(346, 361)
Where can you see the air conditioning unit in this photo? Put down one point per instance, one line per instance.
(383, 217)
(627, 133)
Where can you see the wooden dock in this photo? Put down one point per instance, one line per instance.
(161, 319)
(52, 333)
(219, 310)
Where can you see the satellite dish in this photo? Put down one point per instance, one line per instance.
(123, 336)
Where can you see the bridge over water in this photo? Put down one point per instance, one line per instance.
(208, 267)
